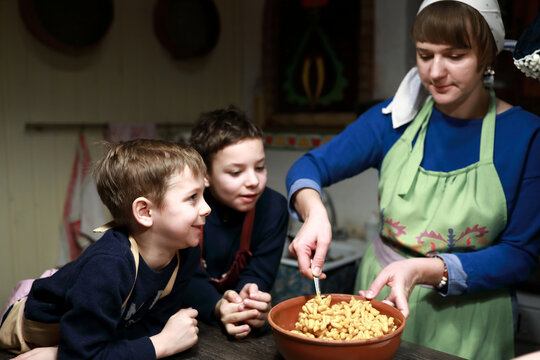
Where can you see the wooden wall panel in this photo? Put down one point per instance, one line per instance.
(129, 78)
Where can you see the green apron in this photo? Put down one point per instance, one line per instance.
(425, 213)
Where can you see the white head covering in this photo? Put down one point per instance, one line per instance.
(411, 95)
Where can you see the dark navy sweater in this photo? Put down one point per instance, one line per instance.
(222, 239)
(85, 297)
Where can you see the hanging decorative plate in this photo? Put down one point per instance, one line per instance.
(67, 26)
(186, 28)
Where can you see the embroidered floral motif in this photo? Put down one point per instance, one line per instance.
(430, 242)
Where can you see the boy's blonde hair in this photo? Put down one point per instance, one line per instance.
(141, 167)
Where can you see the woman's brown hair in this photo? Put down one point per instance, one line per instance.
(456, 24)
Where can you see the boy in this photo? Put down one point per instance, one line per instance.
(244, 237)
(120, 298)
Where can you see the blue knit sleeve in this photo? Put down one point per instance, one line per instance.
(516, 252)
(360, 146)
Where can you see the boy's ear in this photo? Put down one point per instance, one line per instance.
(206, 181)
(142, 211)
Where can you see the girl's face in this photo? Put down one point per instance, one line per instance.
(238, 174)
(451, 76)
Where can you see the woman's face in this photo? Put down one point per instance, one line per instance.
(451, 76)
(238, 174)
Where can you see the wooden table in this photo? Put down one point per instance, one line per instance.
(213, 344)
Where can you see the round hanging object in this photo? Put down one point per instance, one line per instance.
(68, 26)
(186, 28)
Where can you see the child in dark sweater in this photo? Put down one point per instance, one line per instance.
(244, 236)
(122, 298)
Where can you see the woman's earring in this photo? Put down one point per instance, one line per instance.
(489, 76)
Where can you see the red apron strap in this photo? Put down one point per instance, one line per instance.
(242, 256)
(247, 230)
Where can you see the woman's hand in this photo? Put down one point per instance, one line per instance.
(258, 300)
(179, 334)
(40, 353)
(314, 236)
(402, 276)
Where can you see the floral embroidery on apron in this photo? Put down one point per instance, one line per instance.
(424, 213)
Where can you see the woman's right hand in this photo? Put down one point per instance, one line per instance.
(313, 239)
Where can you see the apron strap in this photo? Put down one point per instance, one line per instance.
(417, 152)
(135, 251)
(488, 129)
(241, 258)
(170, 283)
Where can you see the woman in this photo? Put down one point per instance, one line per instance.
(459, 189)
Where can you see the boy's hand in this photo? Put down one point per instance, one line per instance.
(231, 311)
(258, 300)
(179, 333)
(40, 353)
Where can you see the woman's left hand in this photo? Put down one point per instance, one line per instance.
(258, 300)
(401, 277)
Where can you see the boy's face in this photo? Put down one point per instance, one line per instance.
(238, 174)
(179, 222)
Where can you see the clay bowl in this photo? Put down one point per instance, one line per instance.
(284, 315)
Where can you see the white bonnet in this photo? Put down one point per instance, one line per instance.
(491, 12)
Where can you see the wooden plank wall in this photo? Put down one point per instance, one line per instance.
(130, 78)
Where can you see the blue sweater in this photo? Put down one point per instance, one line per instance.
(85, 297)
(222, 240)
(450, 144)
